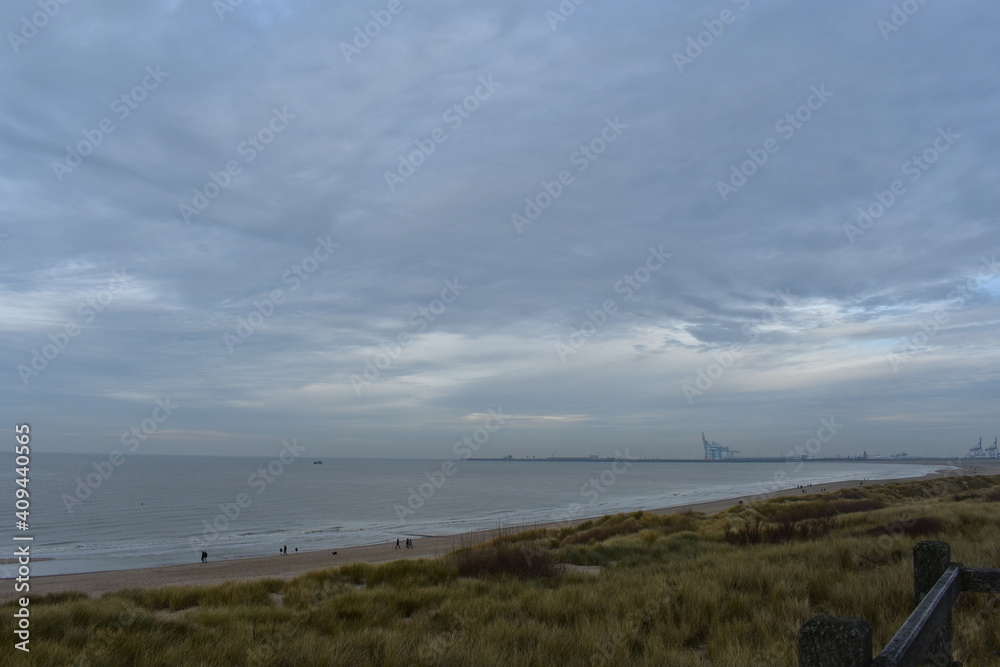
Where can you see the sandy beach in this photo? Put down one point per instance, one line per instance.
(295, 564)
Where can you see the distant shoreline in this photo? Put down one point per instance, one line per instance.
(735, 459)
(295, 564)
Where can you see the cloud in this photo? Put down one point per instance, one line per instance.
(508, 101)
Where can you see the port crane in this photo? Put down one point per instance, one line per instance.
(991, 452)
(979, 452)
(716, 452)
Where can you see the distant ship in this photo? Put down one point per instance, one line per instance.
(317, 463)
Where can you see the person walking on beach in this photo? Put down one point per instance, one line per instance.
(397, 542)
(204, 556)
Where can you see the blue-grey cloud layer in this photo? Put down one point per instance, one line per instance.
(776, 306)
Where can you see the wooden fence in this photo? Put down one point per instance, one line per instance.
(924, 639)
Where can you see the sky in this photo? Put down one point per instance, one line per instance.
(384, 228)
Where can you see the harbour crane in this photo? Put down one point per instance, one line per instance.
(716, 452)
(977, 451)
(991, 452)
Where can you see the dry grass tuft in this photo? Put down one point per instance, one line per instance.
(921, 526)
(505, 554)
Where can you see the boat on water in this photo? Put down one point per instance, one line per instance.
(317, 463)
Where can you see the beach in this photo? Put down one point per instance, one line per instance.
(295, 564)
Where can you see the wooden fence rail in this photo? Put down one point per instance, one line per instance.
(925, 637)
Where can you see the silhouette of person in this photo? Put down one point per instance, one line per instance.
(397, 542)
(204, 556)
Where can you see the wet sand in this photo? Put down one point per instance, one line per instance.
(295, 564)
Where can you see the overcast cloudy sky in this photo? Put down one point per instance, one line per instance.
(616, 224)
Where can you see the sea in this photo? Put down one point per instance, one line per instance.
(88, 514)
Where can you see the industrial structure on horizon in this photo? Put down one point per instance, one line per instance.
(978, 452)
(716, 452)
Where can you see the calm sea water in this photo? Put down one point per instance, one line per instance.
(160, 510)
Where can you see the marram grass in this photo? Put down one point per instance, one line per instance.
(670, 590)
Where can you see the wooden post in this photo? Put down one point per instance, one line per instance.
(930, 560)
(835, 641)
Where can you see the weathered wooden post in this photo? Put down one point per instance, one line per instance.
(835, 641)
(930, 560)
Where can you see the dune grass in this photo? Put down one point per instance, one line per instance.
(672, 590)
